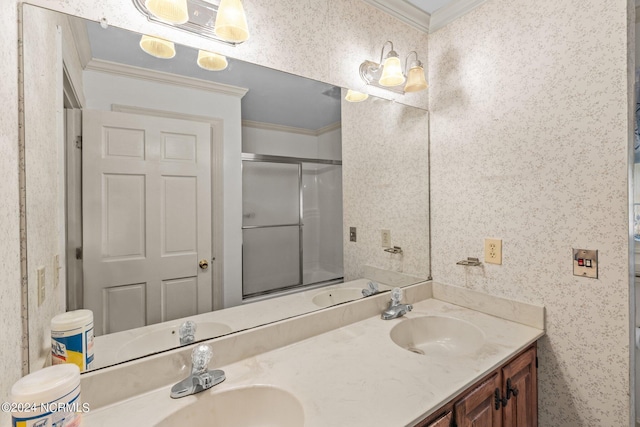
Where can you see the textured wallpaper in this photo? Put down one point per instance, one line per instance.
(10, 323)
(385, 175)
(529, 144)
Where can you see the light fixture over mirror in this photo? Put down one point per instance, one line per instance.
(231, 22)
(415, 74)
(388, 74)
(224, 22)
(160, 48)
(212, 61)
(355, 96)
(171, 11)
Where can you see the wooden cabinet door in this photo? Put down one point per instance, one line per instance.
(478, 408)
(519, 384)
(443, 421)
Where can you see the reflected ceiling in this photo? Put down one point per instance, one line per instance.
(273, 97)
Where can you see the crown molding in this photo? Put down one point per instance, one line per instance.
(290, 129)
(404, 11)
(162, 77)
(451, 12)
(81, 40)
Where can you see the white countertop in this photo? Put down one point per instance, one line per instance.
(351, 376)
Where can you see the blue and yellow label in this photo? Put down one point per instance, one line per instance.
(68, 350)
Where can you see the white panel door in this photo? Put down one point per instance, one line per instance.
(146, 201)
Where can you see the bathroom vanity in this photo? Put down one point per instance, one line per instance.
(459, 355)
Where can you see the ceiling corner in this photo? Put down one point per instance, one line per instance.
(451, 12)
(404, 11)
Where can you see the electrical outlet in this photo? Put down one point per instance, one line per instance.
(41, 285)
(56, 271)
(493, 251)
(386, 238)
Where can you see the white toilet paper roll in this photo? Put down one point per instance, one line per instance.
(638, 337)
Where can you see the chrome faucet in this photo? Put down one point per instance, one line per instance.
(371, 289)
(187, 332)
(396, 309)
(201, 378)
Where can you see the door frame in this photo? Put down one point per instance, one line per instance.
(217, 193)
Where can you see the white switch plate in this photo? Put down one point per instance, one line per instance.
(41, 285)
(386, 238)
(493, 251)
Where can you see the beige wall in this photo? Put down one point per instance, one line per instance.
(10, 322)
(529, 137)
(384, 176)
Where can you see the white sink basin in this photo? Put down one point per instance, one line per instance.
(330, 297)
(438, 336)
(255, 406)
(167, 338)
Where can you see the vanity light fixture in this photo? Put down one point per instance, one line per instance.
(231, 22)
(415, 75)
(223, 21)
(212, 61)
(160, 48)
(171, 11)
(388, 74)
(355, 96)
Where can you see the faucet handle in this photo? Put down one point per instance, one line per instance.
(396, 296)
(200, 358)
(187, 332)
(371, 289)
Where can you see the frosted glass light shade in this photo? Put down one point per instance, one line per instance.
(415, 80)
(212, 61)
(231, 22)
(355, 96)
(159, 48)
(392, 72)
(172, 11)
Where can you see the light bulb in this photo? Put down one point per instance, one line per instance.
(211, 61)
(157, 47)
(392, 72)
(231, 22)
(172, 11)
(355, 96)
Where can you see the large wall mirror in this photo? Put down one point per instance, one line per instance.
(159, 192)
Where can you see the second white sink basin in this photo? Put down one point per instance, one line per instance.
(167, 338)
(438, 336)
(331, 297)
(254, 406)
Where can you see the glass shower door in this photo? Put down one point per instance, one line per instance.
(271, 226)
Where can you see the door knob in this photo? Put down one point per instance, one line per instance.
(204, 264)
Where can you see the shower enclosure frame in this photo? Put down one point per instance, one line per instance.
(268, 158)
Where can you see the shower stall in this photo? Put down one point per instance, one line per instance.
(291, 223)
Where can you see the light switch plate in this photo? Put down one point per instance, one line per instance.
(585, 263)
(352, 234)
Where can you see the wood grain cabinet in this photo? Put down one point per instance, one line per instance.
(507, 397)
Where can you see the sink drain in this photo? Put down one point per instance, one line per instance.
(416, 350)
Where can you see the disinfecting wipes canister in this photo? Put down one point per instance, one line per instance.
(49, 397)
(72, 339)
